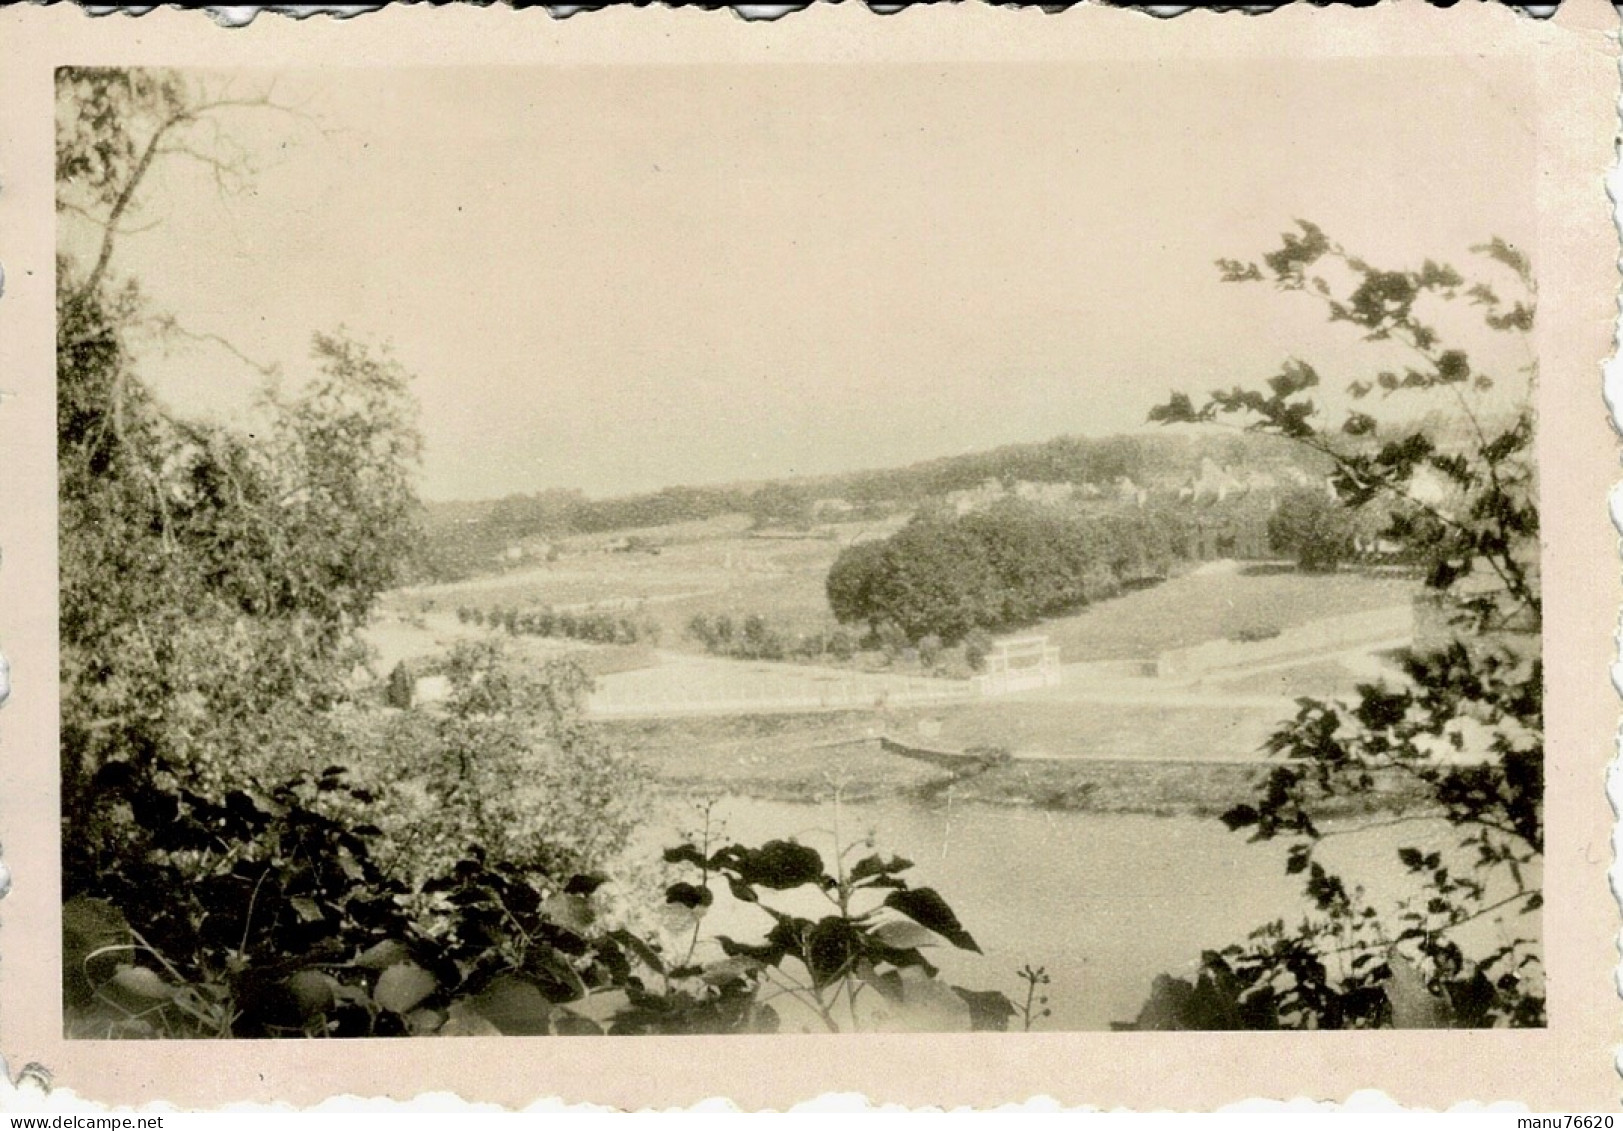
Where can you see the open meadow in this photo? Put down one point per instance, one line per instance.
(793, 731)
(1221, 600)
(721, 567)
(666, 576)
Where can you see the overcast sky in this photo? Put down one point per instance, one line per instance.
(619, 279)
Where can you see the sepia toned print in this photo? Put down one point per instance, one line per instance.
(539, 756)
(709, 547)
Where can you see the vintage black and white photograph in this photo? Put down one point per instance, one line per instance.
(809, 548)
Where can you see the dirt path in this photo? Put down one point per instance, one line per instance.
(685, 684)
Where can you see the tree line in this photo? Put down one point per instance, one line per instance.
(595, 626)
(945, 575)
(461, 539)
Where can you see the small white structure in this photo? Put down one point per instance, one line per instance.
(973, 499)
(1020, 664)
(831, 509)
(1045, 494)
(430, 689)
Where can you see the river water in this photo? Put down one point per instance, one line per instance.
(1104, 902)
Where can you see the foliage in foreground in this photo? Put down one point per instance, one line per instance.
(307, 936)
(1465, 722)
(220, 879)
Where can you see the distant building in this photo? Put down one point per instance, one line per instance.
(976, 498)
(1045, 494)
(992, 492)
(1377, 550)
(1214, 483)
(430, 689)
(1126, 491)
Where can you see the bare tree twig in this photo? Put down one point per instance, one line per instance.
(168, 326)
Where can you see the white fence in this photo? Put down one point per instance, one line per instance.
(1020, 664)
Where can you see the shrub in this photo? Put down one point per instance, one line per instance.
(1314, 528)
(930, 650)
(977, 647)
(402, 685)
(519, 959)
(841, 645)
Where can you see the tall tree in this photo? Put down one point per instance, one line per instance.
(212, 580)
(1461, 726)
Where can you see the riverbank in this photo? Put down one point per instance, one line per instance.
(808, 758)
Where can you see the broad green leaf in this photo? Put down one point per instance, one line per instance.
(678, 919)
(685, 854)
(558, 979)
(573, 912)
(877, 865)
(1413, 1005)
(831, 948)
(730, 969)
(926, 908)
(312, 991)
(585, 884)
(514, 1006)
(143, 983)
(904, 935)
(423, 1022)
(769, 954)
(692, 896)
(1240, 817)
(402, 986)
(463, 1020)
(927, 1005)
(599, 1008)
(989, 1010)
(383, 955)
(647, 954)
(777, 864)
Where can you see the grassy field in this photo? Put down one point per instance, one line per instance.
(1216, 604)
(720, 568)
(791, 744)
(710, 568)
(1318, 679)
(1178, 757)
(808, 757)
(1097, 731)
